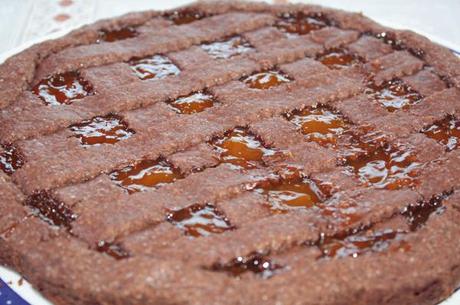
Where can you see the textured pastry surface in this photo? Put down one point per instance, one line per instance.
(232, 153)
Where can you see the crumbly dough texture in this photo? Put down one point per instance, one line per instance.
(62, 203)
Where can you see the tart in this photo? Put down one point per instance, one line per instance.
(232, 153)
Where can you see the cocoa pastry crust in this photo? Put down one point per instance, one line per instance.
(232, 153)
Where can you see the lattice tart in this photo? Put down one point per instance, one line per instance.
(232, 153)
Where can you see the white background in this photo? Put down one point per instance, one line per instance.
(23, 22)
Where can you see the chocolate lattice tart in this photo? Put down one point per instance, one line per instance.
(232, 153)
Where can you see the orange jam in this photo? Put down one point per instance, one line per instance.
(154, 67)
(225, 49)
(254, 262)
(300, 23)
(50, 210)
(338, 59)
(62, 88)
(241, 148)
(390, 39)
(418, 214)
(112, 249)
(145, 174)
(109, 129)
(291, 190)
(342, 212)
(114, 35)
(265, 80)
(186, 16)
(361, 140)
(320, 124)
(393, 95)
(445, 131)
(193, 103)
(364, 242)
(384, 167)
(11, 159)
(200, 220)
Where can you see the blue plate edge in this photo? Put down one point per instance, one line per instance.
(9, 297)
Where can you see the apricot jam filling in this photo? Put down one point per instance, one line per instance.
(385, 167)
(241, 148)
(369, 156)
(256, 263)
(390, 39)
(193, 103)
(186, 16)
(445, 131)
(357, 244)
(343, 213)
(291, 190)
(233, 46)
(301, 23)
(397, 44)
(320, 124)
(145, 174)
(112, 249)
(114, 35)
(418, 214)
(200, 220)
(50, 209)
(62, 88)
(368, 241)
(266, 80)
(11, 159)
(393, 95)
(338, 59)
(109, 129)
(153, 67)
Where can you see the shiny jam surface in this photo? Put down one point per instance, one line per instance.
(320, 124)
(342, 212)
(145, 174)
(292, 190)
(300, 23)
(10, 159)
(112, 249)
(50, 210)
(186, 16)
(114, 35)
(62, 88)
(393, 95)
(154, 67)
(338, 59)
(101, 130)
(200, 220)
(418, 214)
(361, 140)
(390, 39)
(384, 166)
(445, 131)
(266, 80)
(227, 48)
(358, 244)
(196, 102)
(241, 148)
(254, 262)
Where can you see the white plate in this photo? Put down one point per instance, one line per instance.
(26, 291)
